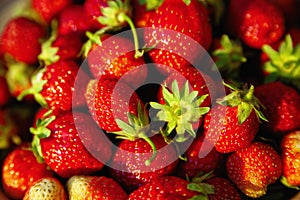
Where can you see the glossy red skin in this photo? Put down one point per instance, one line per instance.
(282, 104)
(107, 103)
(290, 157)
(224, 189)
(196, 165)
(73, 20)
(171, 15)
(233, 136)
(165, 188)
(135, 175)
(21, 39)
(4, 92)
(20, 170)
(49, 9)
(256, 22)
(253, 168)
(114, 58)
(93, 10)
(65, 150)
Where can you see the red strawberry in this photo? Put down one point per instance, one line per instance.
(95, 187)
(283, 63)
(8, 130)
(165, 188)
(48, 9)
(290, 158)
(73, 20)
(282, 104)
(20, 38)
(194, 163)
(110, 99)
(20, 170)
(57, 139)
(53, 85)
(232, 123)
(253, 168)
(48, 188)
(93, 9)
(223, 189)
(176, 16)
(114, 58)
(181, 110)
(256, 22)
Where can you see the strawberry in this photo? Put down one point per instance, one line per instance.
(132, 165)
(233, 123)
(56, 139)
(48, 9)
(93, 9)
(194, 163)
(110, 99)
(73, 20)
(290, 158)
(20, 170)
(255, 22)
(20, 39)
(182, 110)
(282, 107)
(167, 187)
(48, 188)
(94, 187)
(9, 131)
(53, 85)
(283, 63)
(176, 16)
(60, 47)
(114, 58)
(253, 168)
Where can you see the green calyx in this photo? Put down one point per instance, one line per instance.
(198, 184)
(48, 53)
(230, 56)
(245, 101)
(114, 17)
(37, 84)
(154, 4)
(41, 131)
(136, 128)
(181, 109)
(283, 64)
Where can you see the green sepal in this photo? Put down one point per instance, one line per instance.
(152, 4)
(283, 64)
(229, 57)
(48, 53)
(199, 197)
(37, 84)
(180, 110)
(284, 181)
(41, 131)
(245, 101)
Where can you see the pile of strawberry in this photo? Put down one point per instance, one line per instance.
(80, 118)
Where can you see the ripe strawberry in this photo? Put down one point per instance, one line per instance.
(48, 188)
(256, 22)
(283, 63)
(53, 85)
(176, 16)
(167, 187)
(56, 139)
(282, 104)
(290, 158)
(114, 58)
(20, 170)
(20, 38)
(93, 9)
(94, 187)
(181, 110)
(253, 168)
(108, 100)
(194, 163)
(48, 9)
(232, 123)
(141, 158)
(73, 20)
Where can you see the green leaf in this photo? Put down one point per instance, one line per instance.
(244, 110)
(199, 197)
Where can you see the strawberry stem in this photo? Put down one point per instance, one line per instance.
(149, 141)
